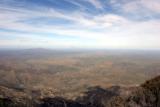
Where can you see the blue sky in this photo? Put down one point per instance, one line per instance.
(104, 24)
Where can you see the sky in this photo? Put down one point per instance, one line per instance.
(95, 24)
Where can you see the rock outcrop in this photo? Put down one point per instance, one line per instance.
(146, 95)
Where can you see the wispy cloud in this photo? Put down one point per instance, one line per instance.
(48, 26)
(138, 9)
(96, 3)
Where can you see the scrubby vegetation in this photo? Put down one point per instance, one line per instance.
(34, 78)
(146, 95)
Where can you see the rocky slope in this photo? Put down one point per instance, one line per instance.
(145, 95)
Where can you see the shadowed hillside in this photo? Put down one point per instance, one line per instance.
(146, 95)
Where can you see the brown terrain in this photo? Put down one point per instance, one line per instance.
(81, 78)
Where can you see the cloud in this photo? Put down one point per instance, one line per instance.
(96, 3)
(138, 9)
(79, 20)
(139, 5)
(153, 5)
(104, 30)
